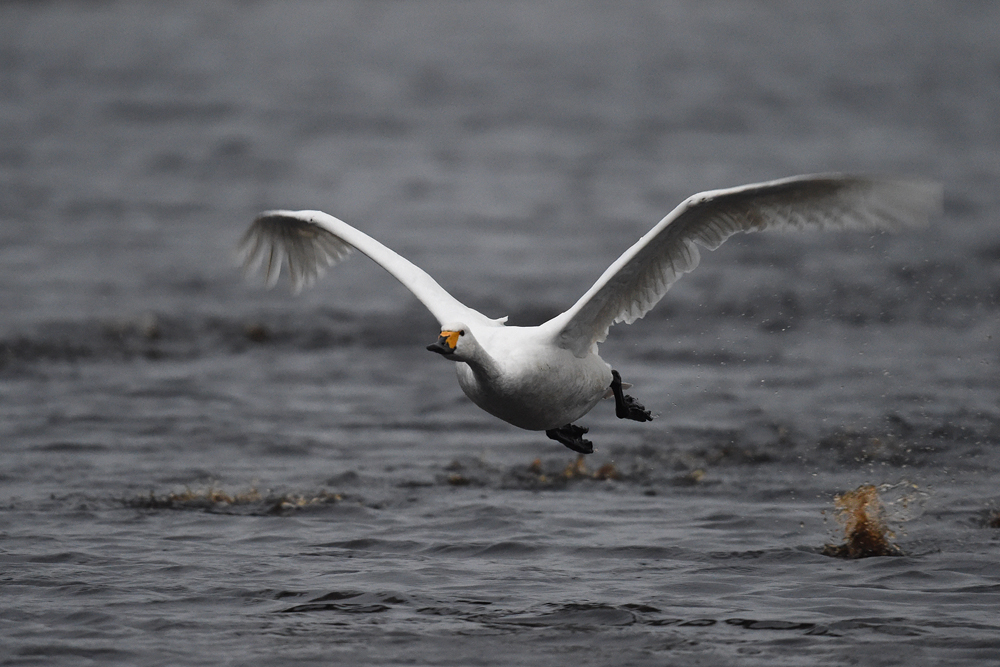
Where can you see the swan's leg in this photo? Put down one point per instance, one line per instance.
(571, 435)
(627, 407)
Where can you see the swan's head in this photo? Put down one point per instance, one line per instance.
(455, 342)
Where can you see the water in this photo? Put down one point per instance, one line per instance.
(197, 471)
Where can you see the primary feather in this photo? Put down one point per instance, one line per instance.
(307, 248)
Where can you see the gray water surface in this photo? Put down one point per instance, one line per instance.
(199, 471)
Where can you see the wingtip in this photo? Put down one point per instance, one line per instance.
(295, 241)
(919, 200)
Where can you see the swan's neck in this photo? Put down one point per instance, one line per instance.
(484, 367)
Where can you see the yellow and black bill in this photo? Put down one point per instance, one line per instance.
(446, 343)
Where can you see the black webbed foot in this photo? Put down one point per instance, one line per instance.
(571, 436)
(627, 407)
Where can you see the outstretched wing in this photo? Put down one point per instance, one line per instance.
(638, 279)
(309, 242)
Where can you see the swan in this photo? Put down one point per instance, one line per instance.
(546, 377)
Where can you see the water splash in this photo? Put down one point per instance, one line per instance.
(865, 515)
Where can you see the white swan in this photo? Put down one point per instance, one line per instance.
(546, 377)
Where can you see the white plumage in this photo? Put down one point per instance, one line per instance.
(546, 377)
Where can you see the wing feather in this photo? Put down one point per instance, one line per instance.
(638, 279)
(309, 242)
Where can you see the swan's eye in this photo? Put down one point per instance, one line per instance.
(462, 332)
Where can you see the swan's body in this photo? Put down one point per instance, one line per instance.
(546, 377)
(518, 375)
